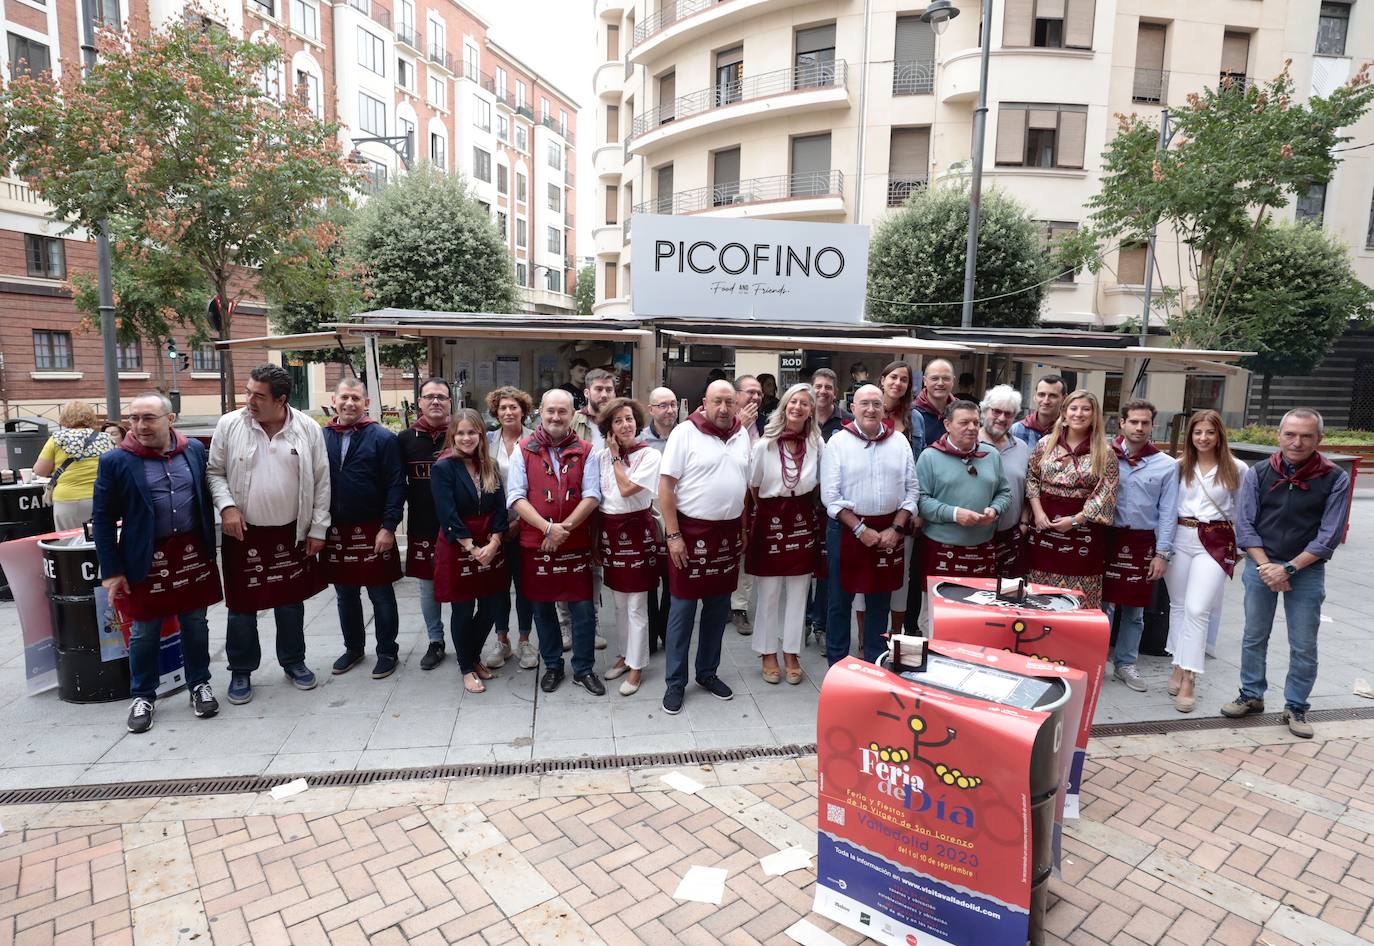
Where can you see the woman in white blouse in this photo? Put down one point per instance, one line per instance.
(1204, 548)
(511, 407)
(785, 533)
(628, 543)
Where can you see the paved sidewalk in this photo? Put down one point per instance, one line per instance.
(1233, 837)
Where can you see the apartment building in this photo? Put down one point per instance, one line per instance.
(423, 75)
(837, 111)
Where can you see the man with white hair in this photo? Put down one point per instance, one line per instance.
(999, 408)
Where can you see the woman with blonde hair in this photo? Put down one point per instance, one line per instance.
(1209, 479)
(469, 568)
(785, 530)
(512, 409)
(1071, 485)
(71, 458)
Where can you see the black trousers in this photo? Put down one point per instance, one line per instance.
(658, 614)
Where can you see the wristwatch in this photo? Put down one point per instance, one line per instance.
(1290, 569)
(1167, 556)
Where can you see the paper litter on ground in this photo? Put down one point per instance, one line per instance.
(780, 862)
(809, 934)
(680, 782)
(1362, 688)
(702, 885)
(289, 789)
(1328, 620)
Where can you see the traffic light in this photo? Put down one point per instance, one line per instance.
(185, 362)
(172, 348)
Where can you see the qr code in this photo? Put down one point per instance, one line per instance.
(834, 814)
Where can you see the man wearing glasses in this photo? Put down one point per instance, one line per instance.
(1000, 407)
(162, 562)
(663, 411)
(420, 447)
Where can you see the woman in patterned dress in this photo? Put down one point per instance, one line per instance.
(1071, 486)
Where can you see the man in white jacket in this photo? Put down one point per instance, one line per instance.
(269, 477)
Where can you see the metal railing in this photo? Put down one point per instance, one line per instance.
(671, 12)
(19, 192)
(406, 33)
(378, 13)
(629, 67)
(1233, 80)
(819, 76)
(1150, 85)
(913, 77)
(901, 186)
(524, 111)
(441, 57)
(487, 81)
(751, 191)
(554, 124)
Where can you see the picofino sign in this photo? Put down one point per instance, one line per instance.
(769, 270)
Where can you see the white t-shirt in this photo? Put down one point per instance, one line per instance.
(497, 447)
(765, 470)
(712, 474)
(642, 468)
(274, 490)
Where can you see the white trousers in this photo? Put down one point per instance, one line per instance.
(781, 612)
(1196, 584)
(632, 624)
(744, 590)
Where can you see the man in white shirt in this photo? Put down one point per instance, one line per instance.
(269, 476)
(703, 482)
(868, 486)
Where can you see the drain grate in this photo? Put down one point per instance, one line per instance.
(1163, 727)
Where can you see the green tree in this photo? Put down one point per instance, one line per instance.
(172, 132)
(585, 294)
(917, 256)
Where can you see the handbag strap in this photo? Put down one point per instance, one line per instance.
(1202, 485)
(72, 458)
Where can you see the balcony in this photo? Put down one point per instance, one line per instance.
(525, 112)
(505, 99)
(609, 161)
(913, 78)
(1150, 86)
(680, 21)
(611, 10)
(607, 81)
(553, 123)
(784, 92)
(805, 193)
(607, 239)
(375, 11)
(541, 299)
(440, 57)
(901, 186)
(407, 35)
(18, 197)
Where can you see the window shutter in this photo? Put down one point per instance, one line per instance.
(816, 38)
(909, 154)
(1149, 46)
(1049, 10)
(1078, 24)
(1235, 53)
(1043, 118)
(610, 280)
(667, 94)
(1130, 265)
(729, 57)
(1073, 135)
(612, 123)
(610, 204)
(726, 168)
(915, 40)
(1011, 135)
(1018, 23)
(811, 155)
(664, 187)
(612, 43)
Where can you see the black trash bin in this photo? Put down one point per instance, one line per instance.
(86, 671)
(24, 440)
(22, 513)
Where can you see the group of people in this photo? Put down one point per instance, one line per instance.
(814, 512)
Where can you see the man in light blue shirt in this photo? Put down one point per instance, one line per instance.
(1141, 541)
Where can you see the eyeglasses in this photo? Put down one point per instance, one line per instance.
(663, 404)
(435, 397)
(144, 418)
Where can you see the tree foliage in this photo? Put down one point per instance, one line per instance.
(172, 132)
(917, 255)
(585, 293)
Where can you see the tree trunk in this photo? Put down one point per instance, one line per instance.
(1264, 399)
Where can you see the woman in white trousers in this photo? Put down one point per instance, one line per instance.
(1209, 481)
(785, 529)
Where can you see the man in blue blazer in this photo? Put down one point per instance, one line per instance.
(154, 527)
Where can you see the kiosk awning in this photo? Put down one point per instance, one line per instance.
(1095, 358)
(895, 343)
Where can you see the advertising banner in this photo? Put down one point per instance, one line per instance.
(1077, 637)
(925, 811)
(769, 270)
(22, 561)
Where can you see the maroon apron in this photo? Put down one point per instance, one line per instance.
(713, 552)
(182, 578)
(1219, 539)
(784, 536)
(1077, 552)
(348, 557)
(960, 561)
(564, 575)
(865, 570)
(1011, 547)
(420, 557)
(629, 551)
(268, 569)
(459, 577)
(1125, 577)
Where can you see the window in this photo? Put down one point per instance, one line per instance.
(520, 239)
(521, 274)
(522, 140)
(519, 93)
(555, 155)
(438, 37)
(612, 205)
(502, 127)
(815, 56)
(371, 114)
(519, 188)
(305, 17)
(376, 176)
(1054, 24)
(500, 83)
(107, 12)
(27, 57)
(729, 75)
(1130, 265)
(269, 80)
(555, 198)
(908, 163)
(663, 187)
(405, 73)
(502, 179)
(129, 356)
(612, 43)
(1311, 206)
(481, 165)
(609, 286)
(371, 52)
(472, 63)
(438, 150)
(725, 177)
(555, 279)
(47, 256)
(667, 97)
(543, 108)
(204, 357)
(502, 224)
(612, 124)
(1235, 59)
(913, 67)
(1150, 78)
(1041, 136)
(810, 166)
(554, 241)
(263, 7)
(52, 351)
(406, 128)
(308, 91)
(1053, 231)
(1333, 23)
(486, 208)
(563, 122)
(481, 113)
(438, 91)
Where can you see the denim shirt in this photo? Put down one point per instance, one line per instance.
(173, 494)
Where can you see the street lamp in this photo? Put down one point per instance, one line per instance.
(398, 143)
(938, 15)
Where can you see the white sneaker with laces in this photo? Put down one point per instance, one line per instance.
(529, 657)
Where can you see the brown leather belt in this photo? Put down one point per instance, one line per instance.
(1192, 523)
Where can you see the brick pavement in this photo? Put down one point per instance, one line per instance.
(1233, 837)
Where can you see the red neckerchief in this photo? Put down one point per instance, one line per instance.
(1032, 422)
(1314, 466)
(423, 426)
(1082, 450)
(1134, 460)
(540, 441)
(637, 445)
(944, 446)
(792, 460)
(131, 444)
(924, 405)
(884, 431)
(699, 421)
(336, 425)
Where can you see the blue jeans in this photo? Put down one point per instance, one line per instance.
(386, 621)
(524, 610)
(432, 611)
(1302, 607)
(145, 648)
(470, 626)
(682, 613)
(1127, 649)
(551, 636)
(839, 620)
(244, 650)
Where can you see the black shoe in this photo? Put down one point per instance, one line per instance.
(240, 688)
(591, 683)
(672, 700)
(384, 667)
(301, 677)
(716, 687)
(433, 657)
(346, 662)
(549, 682)
(203, 702)
(140, 715)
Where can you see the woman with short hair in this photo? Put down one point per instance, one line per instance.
(71, 457)
(512, 409)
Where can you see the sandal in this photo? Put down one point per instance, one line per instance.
(472, 684)
(1176, 681)
(793, 673)
(771, 674)
(483, 672)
